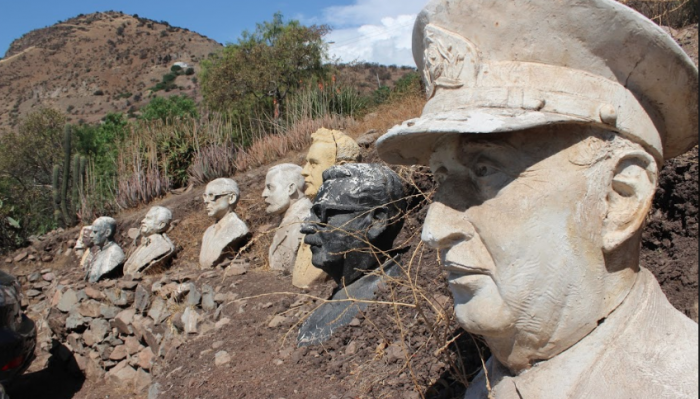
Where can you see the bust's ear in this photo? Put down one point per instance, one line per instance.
(378, 224)
(232, 198)
(629, 197)
(291, 189)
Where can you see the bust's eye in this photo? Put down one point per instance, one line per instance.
(483, 169)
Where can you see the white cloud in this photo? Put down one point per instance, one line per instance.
(373, 31)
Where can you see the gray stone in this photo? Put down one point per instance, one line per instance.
(208, 302)
(154, 391)
(109, 312)
(32, 293)
(158, 311)
(190, 318)
(123, 321)
(75, 321)
(116, 296)
(68, 300)
(141, 299)
(193, 296)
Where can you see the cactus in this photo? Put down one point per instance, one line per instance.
(75, 188)
(67, 218)
(56, 196)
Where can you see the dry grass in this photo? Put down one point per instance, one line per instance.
(269, 148)
(673, 13)
(389, 114)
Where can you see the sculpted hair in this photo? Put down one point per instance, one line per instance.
(292, 173)
(163, 214)
(108, 223)
(225, 185)
(346, 149)
(374, 185)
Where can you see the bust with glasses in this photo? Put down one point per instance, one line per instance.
(355, 218)
(228, 232)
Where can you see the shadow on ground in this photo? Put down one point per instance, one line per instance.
(56, 381)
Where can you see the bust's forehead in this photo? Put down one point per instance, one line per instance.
(218, 187)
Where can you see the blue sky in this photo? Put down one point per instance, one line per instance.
(363, 30)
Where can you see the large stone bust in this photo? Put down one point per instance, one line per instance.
(228, 232)
(108, 256)
(155, 247)
(547, 155)
(284, 196)
(357, 214)
(328, 148)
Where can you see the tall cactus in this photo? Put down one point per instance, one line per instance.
(67, 218)
(75, 189)
(56, 195)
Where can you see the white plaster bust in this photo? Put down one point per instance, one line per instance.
(228, 232)
(155, 246)
(283, 194)
(547, 155)
(108, 255)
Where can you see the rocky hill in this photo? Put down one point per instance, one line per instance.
(97, 63)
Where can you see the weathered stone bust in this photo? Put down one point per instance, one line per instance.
(328, 148)
(155, 247)
(357, 214)
(284, 196)
(83, 247)
(108, 256)
(229, 232)
(547, 155)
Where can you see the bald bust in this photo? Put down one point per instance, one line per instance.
(229, 231)
(155, 246)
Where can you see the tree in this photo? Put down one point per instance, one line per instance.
(264, 66)
(170, 108)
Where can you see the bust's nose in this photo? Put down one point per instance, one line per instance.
(444, 227)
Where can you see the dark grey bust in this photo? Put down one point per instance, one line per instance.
(354, 220)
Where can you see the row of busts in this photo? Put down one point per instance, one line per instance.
(310, 200)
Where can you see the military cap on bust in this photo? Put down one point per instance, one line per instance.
(492, 67)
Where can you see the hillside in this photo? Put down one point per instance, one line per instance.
(97, 63)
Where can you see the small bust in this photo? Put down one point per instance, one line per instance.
(328, 148)
(228, 232)
(357, 214)
(108, 256)
(155, 247)
(283, 194)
